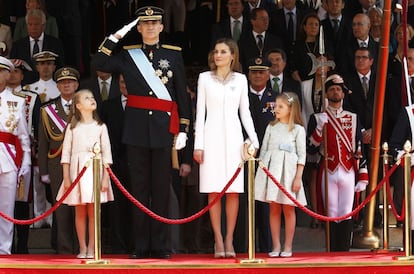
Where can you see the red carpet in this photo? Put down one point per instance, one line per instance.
(303, 263)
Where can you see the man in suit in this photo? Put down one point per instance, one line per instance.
(104, 86)
(362, 88)
(258, 41)
(337, 26)
(36, 42)
(15, 161)
(54, 118)
(361, 38)
(158, 110)
(262, 100)
(286, 22)
(234, 25)
(279, 80)
(120, 209)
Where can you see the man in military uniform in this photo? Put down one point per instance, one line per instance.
(158, 109)
(14, 152)
(262, 107)
(46, 87)
(344, 135)
(53, 119)
(32, 108)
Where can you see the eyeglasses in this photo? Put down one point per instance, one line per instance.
(361, 57)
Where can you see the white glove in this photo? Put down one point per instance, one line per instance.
(321, 120)
(181, 140)
(24, 169)
(360, 186)
(45, 179)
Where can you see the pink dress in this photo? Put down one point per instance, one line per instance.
(76, 151)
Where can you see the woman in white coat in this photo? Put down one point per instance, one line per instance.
(221, 96)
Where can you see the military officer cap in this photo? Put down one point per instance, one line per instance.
(259, 64)
(6, 64)
(21, 64)
(45, 56)
(335, 79)
(149, 13)
(67, 73)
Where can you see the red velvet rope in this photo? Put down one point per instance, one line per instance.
(50, 210)
(167, 220)
(393, 209)
(322, 217)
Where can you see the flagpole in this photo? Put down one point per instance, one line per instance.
(368, 238)
(325, 139)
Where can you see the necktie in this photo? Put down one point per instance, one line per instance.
(365, 85)
(67, 108)
(335, 25)
(236, 30)
(260, 42)
(35, 47)
(275, 85)
(290, 27)
(104, 91)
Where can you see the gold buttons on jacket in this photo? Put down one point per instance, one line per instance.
(151, 92)
(150, 112)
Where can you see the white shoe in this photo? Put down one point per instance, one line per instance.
(274, 254)
(286, 254)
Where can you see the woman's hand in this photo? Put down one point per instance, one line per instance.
(198, 155)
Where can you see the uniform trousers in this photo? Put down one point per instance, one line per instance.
(150, 174)
(8, 182)
(40, 203)
(341, 190)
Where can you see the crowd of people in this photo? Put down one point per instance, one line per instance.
(168, 138)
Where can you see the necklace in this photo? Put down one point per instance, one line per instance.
(308, 48)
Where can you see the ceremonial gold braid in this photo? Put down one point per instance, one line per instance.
(52, 135)
(57, 153)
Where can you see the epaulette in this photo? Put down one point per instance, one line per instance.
(171, 47)
(20, 94)
(26, 87)
(133, 47)
(48, 102)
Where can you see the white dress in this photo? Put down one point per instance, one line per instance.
(218, 130)
(281, 152)
(76, 151)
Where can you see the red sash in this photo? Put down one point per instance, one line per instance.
(151, 103)
(11, 139)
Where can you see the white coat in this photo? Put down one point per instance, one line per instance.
(218, 130)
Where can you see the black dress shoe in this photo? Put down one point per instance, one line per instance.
(161, 254)
(139, 255)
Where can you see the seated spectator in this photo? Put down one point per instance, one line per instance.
(36, 41)
(51, 27)
(5, 40)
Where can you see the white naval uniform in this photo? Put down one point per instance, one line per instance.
(40, 203)
(12, 109)
(46, 90)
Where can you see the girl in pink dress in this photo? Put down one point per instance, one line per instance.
(83, 132)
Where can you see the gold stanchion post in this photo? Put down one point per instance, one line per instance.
(407, 203)
(97, 206)
(385, 222)
(251, 202)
